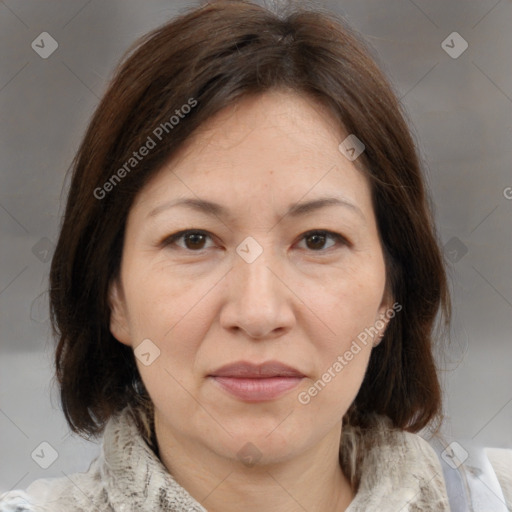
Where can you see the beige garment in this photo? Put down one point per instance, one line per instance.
(501, 460)
(397, 471)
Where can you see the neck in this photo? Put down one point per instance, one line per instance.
(312, 481)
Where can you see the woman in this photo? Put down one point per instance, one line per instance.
(247, 278)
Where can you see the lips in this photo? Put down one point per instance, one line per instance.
(256, 382)
(256, 371)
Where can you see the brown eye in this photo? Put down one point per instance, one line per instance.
(315, 240)
(196, 241)
(192, 240)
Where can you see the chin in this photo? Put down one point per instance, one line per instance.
(266, 443)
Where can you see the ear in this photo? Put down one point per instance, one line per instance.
(385, 313)
(386, 303)
(118, 317)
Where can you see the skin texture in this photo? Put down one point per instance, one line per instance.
(301, 301)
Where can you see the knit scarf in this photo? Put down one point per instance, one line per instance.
(393, 471)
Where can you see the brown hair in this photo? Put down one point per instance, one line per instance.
(215, 55)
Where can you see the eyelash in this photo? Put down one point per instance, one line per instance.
(170, 240)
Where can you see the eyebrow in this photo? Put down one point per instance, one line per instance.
(294, 210)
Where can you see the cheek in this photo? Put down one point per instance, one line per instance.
(348, 308)
(331, 392)
(176, 327)
(163, 301)
(345, 306)
(171, 319)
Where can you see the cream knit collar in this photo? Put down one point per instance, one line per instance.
(399, 471)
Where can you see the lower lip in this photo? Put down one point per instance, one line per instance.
(257, 390)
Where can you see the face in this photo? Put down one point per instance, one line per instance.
(256, 279)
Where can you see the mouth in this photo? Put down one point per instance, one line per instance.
(256, 382)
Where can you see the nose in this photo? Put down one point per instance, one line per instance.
(259, 302)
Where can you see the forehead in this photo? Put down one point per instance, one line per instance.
(278, 147)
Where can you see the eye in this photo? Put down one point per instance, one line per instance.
(315, 240)
(193, 239)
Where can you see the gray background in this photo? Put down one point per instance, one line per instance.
(460, 113)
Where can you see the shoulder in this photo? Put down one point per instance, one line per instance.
(501, 461)
(385, 442)
(92, 490)
(396, 470)
(78, 492)
(127, 475)
(476, 477)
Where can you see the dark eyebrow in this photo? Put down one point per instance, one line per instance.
(294, 210)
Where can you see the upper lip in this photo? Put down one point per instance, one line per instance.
(244, 369)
